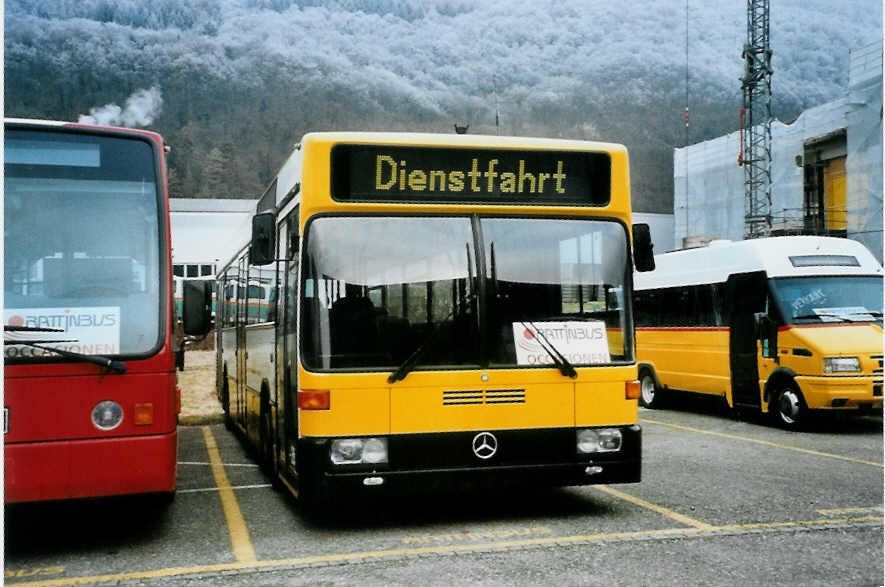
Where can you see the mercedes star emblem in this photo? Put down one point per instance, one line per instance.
(485, 445)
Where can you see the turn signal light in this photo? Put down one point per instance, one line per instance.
(632, 390)
(314, 399)
(143, 415)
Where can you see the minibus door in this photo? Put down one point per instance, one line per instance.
(746, 293)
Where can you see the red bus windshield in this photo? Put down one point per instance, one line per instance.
(82, 244)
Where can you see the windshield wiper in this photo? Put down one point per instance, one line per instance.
(821, 315)
(406, 367)
(108, 363)
(842, 317)
(563, 364)
(872, 314)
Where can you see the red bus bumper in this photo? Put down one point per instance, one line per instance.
(90, 468)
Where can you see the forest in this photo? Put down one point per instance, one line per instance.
(233, 84)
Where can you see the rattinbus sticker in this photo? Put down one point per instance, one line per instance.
(579, 342)
(90, 330)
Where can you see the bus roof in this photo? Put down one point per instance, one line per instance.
(782, 256)
(454, 140)
(38, 123)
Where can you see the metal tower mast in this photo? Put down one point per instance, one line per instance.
(756, 122)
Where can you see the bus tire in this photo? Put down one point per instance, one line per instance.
(225, 404)
(313, 505)
(649, 392)
(267, 456)
(161, 499)
(788, 408)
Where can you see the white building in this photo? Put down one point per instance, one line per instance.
(207, 232)
(661, 228)
(826, 170)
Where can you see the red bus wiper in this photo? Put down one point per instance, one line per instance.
(108, 363)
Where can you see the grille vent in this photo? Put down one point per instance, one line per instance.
(878, 359)
(478, 397)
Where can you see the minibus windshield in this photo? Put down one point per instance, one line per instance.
(816, 300)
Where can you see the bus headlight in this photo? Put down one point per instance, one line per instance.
(107, 415)
(841, 365)
(357, 451)
(593, 440)
(375, 451)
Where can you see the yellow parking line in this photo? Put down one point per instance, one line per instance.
(800, 524)
(855, 510)
(765, 442)
(381, 554)
(654, 507)
(345, 557)
(240, 540)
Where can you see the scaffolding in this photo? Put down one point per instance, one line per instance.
(837, 144)
(755, 155)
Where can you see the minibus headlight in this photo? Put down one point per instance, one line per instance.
(841, 365)
(355, 451)
(107, 415)
(593, 440)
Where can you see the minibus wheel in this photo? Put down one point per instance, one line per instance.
(649, 393)
(788, 407)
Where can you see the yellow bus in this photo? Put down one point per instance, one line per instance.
(781, 325)
(452, 311)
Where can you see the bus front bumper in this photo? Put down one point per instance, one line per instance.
(413, 482)
(71, 469)
(841, 392)
(436, 465)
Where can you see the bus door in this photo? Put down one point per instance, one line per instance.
(287, 363)
(746, 294)
(242, 320)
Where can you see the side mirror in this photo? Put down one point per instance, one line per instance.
(196, 319)
(764, 325)
(263, 248)
(643, 254)
(766, 331)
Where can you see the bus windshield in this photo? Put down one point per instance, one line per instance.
(814, 300)
(378, 289)
(81, 243)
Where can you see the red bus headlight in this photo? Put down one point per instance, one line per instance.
(107, 415)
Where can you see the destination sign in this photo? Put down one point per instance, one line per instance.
(377, 173)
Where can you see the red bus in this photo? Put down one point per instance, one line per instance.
(90, 404)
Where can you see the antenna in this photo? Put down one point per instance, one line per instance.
(687, 118)
(495, 89)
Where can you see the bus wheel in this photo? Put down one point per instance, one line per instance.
(225, 404)
(268, 458)
(649, 394)
(788, 408)
(312, 504)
